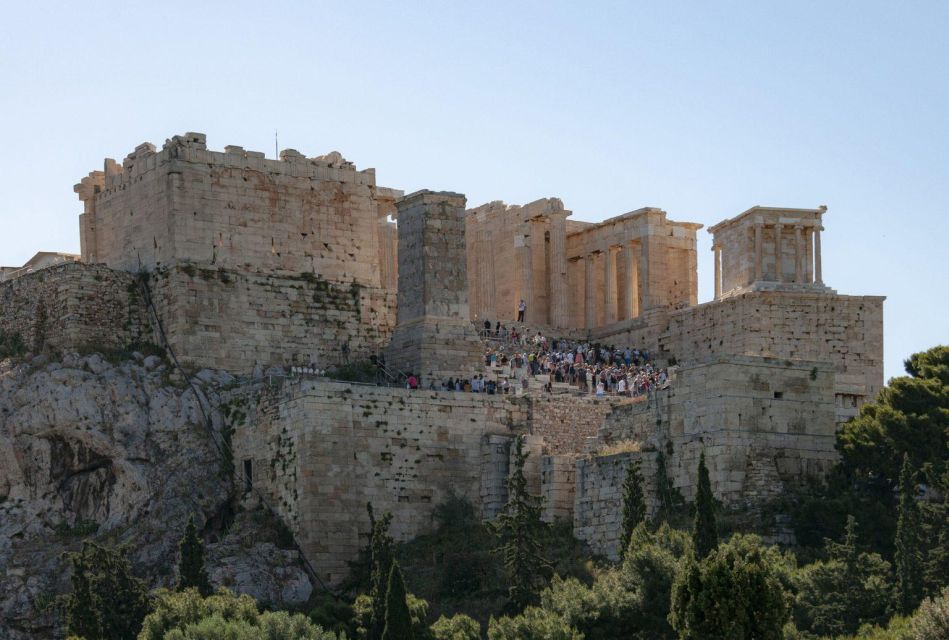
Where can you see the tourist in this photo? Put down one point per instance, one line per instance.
(412, 382)
(521, 309)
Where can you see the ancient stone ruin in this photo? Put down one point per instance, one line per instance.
(268, 268)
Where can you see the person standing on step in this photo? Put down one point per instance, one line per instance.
(521, 310)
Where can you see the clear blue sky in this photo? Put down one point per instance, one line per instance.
(701, 108)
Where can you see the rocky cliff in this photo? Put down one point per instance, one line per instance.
(121, 453)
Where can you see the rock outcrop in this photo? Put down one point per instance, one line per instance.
(118, 452)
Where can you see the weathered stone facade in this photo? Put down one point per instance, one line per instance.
(73, 306)
(434, 338)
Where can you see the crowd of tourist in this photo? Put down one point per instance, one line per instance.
(514, 357)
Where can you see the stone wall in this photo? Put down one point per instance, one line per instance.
(237, 210)
(843, 331)
(73, 306)
(567, 423)
(320, 451)
(235, 320)
(598, 515)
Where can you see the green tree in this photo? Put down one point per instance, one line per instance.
(704, 532)
(908, 556)
(931, 621)
(851, 589)
(398, 620)
(457, 627)
(668, 498)
(936, 564)
(909, 417)
(518, 527)
(737, 592)
(82, 609)
(381, 558)
(186, 615)
(191, 571)
(533, 623)
(117, 601)
(634, 504)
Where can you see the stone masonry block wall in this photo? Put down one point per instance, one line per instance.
(567, 423)
(236, 209)
(234, 320)
(322, 450)
(598, 512)
(559, 485)
(846, 331)
(73, 306)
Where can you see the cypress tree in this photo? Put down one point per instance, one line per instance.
(191, 571)
(381, 560)
(667, 496)
(704, 533)
(908, 558)
(82, 611)
(634, 504)
(108, 602)
(519, 526)
(398, 619)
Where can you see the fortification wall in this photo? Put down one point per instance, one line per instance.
(237, 210)
(322, 450)
(844, 331)
(234, 320)
(598, 515)
(764, 425)
(73, 306)
(567, 424)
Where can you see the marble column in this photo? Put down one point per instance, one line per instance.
(558, 271)
(588, 302)
(717, 250)
(527, 278)
(818, 278)
(778, 253)
(757, 251)
(631, 299)
(798, 255)
(609, 285)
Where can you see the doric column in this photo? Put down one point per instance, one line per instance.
(609, 285)
(588, 302)
(631, 299)
(486, 277)
(717, 250)
(798, 255)
(558, 271)
(527, 278)
(778, 252)
(818, 279)
(757, 251)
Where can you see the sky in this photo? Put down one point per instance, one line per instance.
(703, 109)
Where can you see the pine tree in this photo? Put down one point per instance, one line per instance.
(381, 560)
(82, 611)
(634, 504)
(519, 526)
(398, 619)
(704, 533)
(908, 558)
(191, 571)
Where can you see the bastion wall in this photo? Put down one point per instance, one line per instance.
(73, 306)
